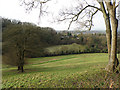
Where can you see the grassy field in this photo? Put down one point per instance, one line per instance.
(67, 71)
(66, 48)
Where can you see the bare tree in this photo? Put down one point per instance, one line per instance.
(83, 13)
(14, 46)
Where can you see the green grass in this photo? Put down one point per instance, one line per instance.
(65, 49)
(67, 71)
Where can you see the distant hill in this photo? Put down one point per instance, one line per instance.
(83, 32)
(86, 32)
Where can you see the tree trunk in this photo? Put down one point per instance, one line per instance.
(108, 30)
(108, 34)
(113, 59)
(113, 63)
(19, 68)
(22, 61)
(108, 27)
(108, 37)
(22, 69)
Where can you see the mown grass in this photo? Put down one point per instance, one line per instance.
(67, 71)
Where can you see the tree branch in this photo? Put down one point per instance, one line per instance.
(75, 17)
(34, 4)
(116, 6)
(44, 1)
(92, 19)
(95, 7)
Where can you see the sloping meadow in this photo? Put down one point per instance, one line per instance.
(67, 71)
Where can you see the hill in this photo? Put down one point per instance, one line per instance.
(76, 32)
(68, 71)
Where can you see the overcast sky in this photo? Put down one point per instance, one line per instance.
(11, 9)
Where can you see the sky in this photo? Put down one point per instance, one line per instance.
(11, 9)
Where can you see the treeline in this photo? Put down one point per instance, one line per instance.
(34, 40)
(18, 35)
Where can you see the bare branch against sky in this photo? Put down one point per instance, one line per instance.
(81, 15)
(13, 10)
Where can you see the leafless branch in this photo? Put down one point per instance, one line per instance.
(116, 6)
(92, 19)
(29, 5)
(76, 16)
